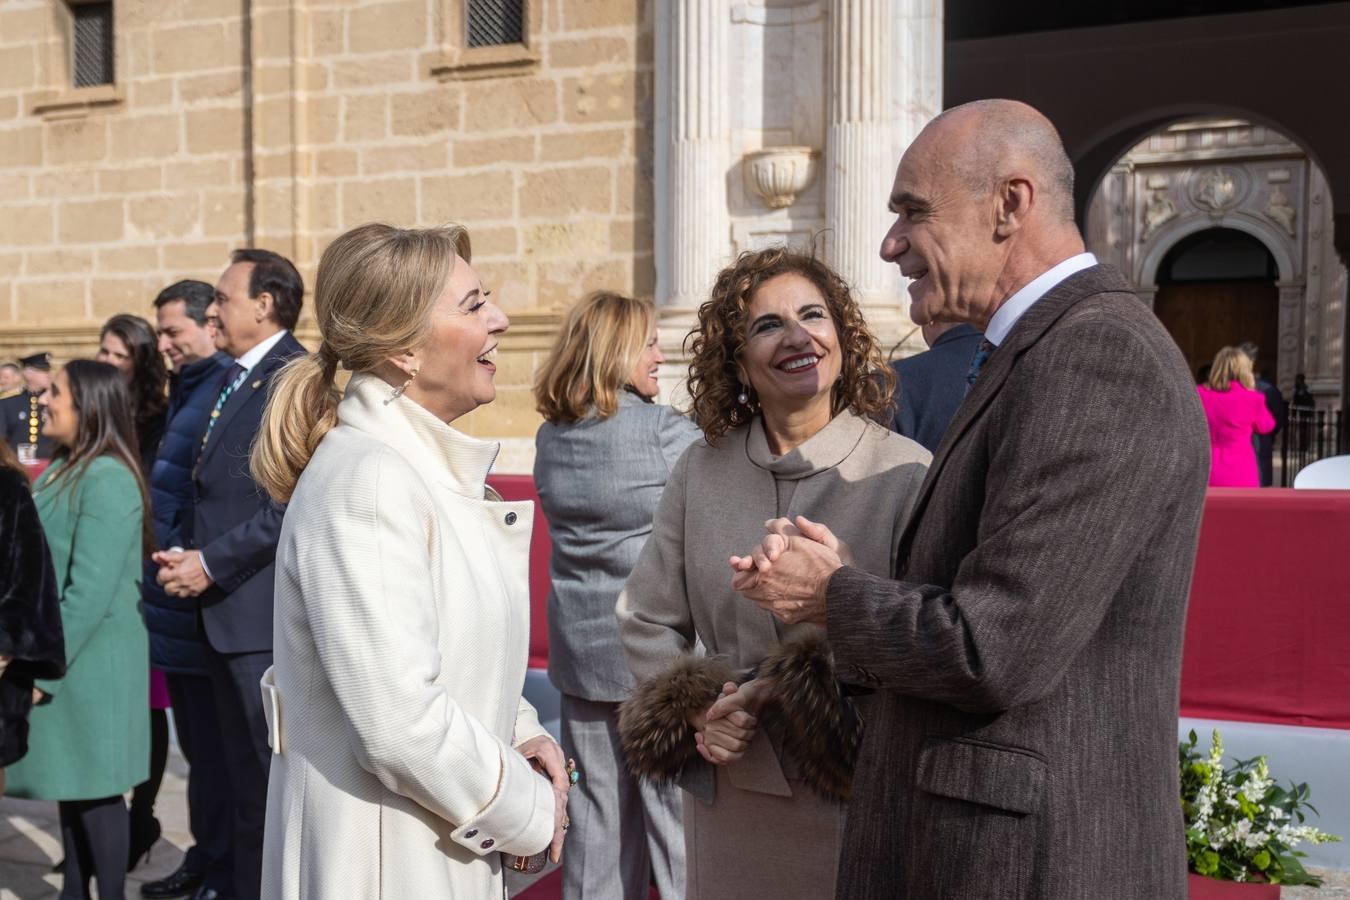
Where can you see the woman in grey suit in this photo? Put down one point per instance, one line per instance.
(602, 459)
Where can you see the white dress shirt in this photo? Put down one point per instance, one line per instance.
(1006, 316)
(255, 354)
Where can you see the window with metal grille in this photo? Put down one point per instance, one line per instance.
(495, 22)
(92, 43)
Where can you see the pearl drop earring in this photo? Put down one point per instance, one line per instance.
(398, 391)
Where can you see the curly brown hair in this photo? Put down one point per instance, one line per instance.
(865, 384)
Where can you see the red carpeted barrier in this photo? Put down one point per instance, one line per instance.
(1268, 630)
(521, 487)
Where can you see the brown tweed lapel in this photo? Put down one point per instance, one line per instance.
(1029, 329)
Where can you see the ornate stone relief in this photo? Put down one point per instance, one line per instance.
(1218, 189)
(1159, 211)
(778, 174)
(1227, 174)
(1279, 210)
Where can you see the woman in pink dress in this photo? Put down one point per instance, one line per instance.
(1236, 411)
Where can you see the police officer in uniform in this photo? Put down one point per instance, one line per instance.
(20, 414)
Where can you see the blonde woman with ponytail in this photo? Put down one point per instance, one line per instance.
(401, 742)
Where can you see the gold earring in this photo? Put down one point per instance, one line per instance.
(398, 391)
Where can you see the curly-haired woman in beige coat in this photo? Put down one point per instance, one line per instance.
(401, 740)
(785, 381)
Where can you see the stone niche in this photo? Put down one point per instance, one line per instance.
(777, 77)
(839, 88)
(1230, 173)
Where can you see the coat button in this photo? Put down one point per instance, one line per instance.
(471, 832)
(511, 518)
(487, 845)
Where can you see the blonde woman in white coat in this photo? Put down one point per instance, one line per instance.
(401, 741)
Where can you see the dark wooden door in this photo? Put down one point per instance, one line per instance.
(1203, 316)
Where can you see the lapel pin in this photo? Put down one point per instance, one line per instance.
(257, 384)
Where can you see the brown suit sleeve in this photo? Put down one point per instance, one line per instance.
(1079, 457)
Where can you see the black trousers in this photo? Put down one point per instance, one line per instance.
(95, 835)
(243, 733)
(210, 815)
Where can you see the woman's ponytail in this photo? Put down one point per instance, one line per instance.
(301, 409)
(373, 296)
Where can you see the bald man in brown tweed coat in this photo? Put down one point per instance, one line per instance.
(1021, 740)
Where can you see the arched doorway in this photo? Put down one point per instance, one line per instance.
(1222, 200)
(1216, 288)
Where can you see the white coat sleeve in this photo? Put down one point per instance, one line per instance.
(527, 724)
(369, 602)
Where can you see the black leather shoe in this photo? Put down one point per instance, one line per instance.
(182, 883)
(208, 893)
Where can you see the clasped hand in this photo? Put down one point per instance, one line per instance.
(788, 572)
(181, 573)
(544, 750)
(723, 732)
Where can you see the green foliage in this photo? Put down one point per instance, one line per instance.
(1240, 825)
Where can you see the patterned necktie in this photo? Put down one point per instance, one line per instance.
(233, 378)
(977, 362)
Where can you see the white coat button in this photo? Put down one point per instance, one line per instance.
(510, 518)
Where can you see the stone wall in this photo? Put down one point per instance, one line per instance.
(282, 123)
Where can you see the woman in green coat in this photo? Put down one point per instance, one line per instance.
(89, 733)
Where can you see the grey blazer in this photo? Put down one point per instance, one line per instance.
(599, 481)
(1022, 740)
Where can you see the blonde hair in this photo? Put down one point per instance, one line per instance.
(373, 298)
(1230, 365)
(591, 361)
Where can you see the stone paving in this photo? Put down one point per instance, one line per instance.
(30, 844)
(30, 841)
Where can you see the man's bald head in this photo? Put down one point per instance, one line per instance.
(987, 141)
(983, 201)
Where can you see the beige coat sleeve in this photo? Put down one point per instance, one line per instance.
(656, 624)
(374, 629)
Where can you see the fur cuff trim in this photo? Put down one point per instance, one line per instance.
(821, 727)
(654, 722)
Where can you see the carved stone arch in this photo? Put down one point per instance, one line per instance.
(1287, 259)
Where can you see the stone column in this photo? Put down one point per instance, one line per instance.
(693, 223)
(1297, 349)
(885, 65)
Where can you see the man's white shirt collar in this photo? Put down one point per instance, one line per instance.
(259, 350)
(1006, 316)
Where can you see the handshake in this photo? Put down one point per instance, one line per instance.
(788, 572)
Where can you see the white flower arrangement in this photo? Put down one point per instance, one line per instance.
(1241, 825)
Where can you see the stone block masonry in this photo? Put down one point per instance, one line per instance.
(282, 123)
